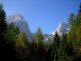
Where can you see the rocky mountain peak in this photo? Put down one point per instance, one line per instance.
(61, 29)
(19, 21)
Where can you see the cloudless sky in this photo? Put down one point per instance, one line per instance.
(46, 14)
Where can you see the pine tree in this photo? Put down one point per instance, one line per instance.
(3, 24)
(55, 47)
(78, 29)
(74, 35)
(71, 20)
(78, 26)
(6, 50)
(22, 48)
(21, 41)
(66, 49)
(63, 44)
(38, 37)
(56, 39)
(12, 33)
(71, 34)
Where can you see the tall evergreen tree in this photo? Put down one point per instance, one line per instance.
(22, 48)
(74, 35)
(66, 49)
(38, 37)
(78, 26)
(21, 41)
(3, 24)
(55, 47)
(6, 50)
(63, 44)
(56, 39)
(71, 20)
(12, 33)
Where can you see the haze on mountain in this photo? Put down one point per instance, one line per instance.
(20, 22)
(43, 13)
(62, 28)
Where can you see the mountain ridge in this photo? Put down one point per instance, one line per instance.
(19, 21)
(61, 29)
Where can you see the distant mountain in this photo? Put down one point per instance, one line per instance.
(19, 21)
(61, 29)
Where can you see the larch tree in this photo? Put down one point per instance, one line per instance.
(71, 20)
(22, 48)
(38, 37)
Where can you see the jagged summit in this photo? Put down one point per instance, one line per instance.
(15, 17)
(61, 29)
(18, 20)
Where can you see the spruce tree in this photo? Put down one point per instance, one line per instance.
(74, 35)
(71, 20)
(38, 37)
(21, 41)
(55, 47)
(12, 33)
(3, 24)
(56, 39)
(78, 26)
(22, 48)
(6, 50)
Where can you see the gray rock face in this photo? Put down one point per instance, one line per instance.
(61, 29)
(19, 21)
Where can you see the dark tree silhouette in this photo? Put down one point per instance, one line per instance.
(6, 51)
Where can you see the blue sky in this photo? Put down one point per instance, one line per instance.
(46, 14)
